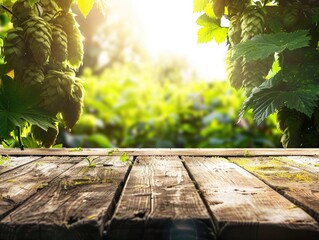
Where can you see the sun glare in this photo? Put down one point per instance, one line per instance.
(170, 28)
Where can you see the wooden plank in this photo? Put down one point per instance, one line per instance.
(307, 163)
(299, 185)
(164, 152)
(245, 207)
(20, 184)
(13, 162)
(74, 206)
(160, 202)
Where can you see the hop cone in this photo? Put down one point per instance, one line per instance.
(234, 31)
(59, 44)
(50, 9)
(47, 138)
(236, 6)
(254, 72)
(252, 23)
(14, 47)
(33, 75)
(64, 4)
(56, 89)
(73, 108)
(234, 71)
(23, 10)
(291, 14)
(75, 44)
(38, 35)
(291, 135)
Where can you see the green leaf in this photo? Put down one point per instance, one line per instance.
(199, 5)
(279, 92)
(264, 45)
(85, 6)
(210, 30)
(124, 157)
(315, 16)
(209, 11)
(18, 105)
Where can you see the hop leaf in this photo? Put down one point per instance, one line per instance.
(38, 35)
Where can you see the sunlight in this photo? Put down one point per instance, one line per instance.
(170, 29)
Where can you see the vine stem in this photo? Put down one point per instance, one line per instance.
(8, 10)
(19, 138)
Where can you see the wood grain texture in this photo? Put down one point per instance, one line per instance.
(293, 179)
(247, 208)
(74, 206)
(20, 184)
(307, 163)
(14, 162)
(160, 202)
(164, 152)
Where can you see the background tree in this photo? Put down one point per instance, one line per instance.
(273, 56)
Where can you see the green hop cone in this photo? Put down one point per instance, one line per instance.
(47, 138)
(23, 9)
(291, 135)
(234, 71)
(59, 44)
(73, 108)
(291, 14)
(56, 89)
(254, 72)
(75, 39)
(252, 23)
(234, 31)
(33, 75)
(236, 6)
(50, 9)
(14, 47)
(38, 35)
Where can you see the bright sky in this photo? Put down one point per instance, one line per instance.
(170, 27)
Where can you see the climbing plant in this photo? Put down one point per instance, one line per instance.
(40, 53)
(273, 55)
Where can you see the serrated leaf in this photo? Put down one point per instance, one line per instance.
(21, 107)
(205, 20)
(85, 6)
(264, 45)
(212, 32)
(199, 5)
(273, 95)
(209, 11)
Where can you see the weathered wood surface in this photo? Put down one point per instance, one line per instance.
(174, 194)
(160, 202)
(75, 205)
(245, 206)
(20, 184)
(14, 162)
(297, 181)
(164, 152)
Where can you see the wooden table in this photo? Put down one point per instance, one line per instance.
(175, 194)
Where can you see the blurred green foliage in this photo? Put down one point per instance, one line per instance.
(127, 107)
